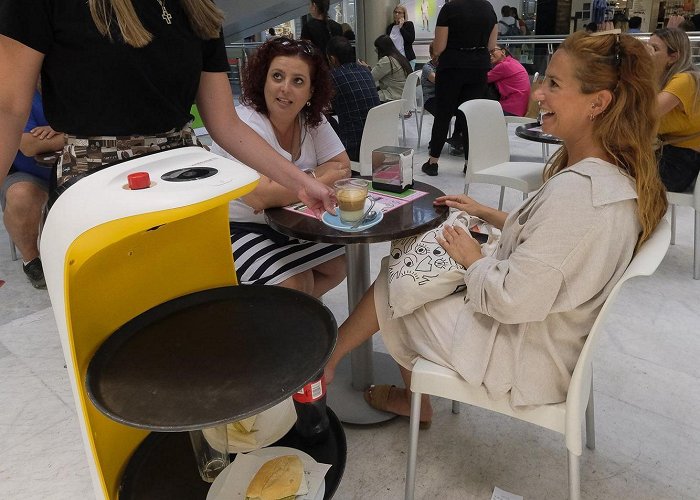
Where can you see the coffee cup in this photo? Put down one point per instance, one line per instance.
(351, 195)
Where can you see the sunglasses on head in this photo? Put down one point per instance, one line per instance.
(304, 45)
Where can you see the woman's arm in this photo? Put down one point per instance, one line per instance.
(269, 194)
(19, 67)
(496, 218)
(31, 145)
(493, 38)
(666, 102)
(408, 32)
(381, 69)
(215, 104)
(440, 40)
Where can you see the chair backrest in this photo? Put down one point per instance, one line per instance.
(381, 129)
(488, 134)
(644, 263)
(409, 92)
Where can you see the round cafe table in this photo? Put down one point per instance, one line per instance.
(365, 367)
(533, 132)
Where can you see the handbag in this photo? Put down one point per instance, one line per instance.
(420, 270)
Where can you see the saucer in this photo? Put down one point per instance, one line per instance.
(334, 221)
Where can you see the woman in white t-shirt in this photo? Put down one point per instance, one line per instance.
(403, 34)
(286, 86)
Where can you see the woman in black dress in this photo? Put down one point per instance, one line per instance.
(465, 32)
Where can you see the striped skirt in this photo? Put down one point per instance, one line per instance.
(266, 257)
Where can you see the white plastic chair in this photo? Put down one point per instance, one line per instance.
(690, 198)
(410, 98)
(489, 151)
(380, 130)
(565, 418)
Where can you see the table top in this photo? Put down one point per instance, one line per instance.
(210, 357)
(163, 466)
(533, 132)
(418, 216)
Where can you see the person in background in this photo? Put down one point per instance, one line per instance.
(465, 32)
(355, 94)
(679, 107)
(634, 24)
(320, 28)
(425, 15)
(591, 28)
(24, 192)
(270, 34)
(108, 73)
(507, 21)
(348, 32)
(285, 88)
(427, 81)
(519, 325)
(521, 23)
(511, 80)
(391, 70)
(403, 34)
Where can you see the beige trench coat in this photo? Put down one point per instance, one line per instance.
(521, 323)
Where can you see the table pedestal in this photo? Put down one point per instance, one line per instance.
(346, 394)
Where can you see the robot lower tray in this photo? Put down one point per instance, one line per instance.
(163, 466)
(210, 357)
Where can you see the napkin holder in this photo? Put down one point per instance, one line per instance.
(392, 169)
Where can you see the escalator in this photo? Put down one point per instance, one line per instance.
(249, 17)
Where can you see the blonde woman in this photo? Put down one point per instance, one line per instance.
(403, 34)
(679, 107)
(120, 78)
(519, 326)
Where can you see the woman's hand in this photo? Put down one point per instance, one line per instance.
(460, 245)
(43, 132)
(317, 196)
(362, 63)
(461, 202)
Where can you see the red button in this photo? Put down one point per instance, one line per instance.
(139, 180)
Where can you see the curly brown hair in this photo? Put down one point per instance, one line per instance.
(255, 75)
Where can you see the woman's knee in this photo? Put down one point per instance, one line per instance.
(303, 282)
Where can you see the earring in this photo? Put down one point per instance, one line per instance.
(308, 104)
(539, 103)
(592, 116)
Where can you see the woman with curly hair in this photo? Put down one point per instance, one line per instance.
(519, 326)
(286, 87)
(679, 107)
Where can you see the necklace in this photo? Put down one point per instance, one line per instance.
(166, 15)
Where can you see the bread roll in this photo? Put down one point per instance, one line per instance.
(277, 479)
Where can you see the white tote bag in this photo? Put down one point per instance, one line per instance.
(421, 271)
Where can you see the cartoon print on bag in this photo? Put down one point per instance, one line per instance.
(420, 260)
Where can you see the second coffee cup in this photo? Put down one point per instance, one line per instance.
(351, 195)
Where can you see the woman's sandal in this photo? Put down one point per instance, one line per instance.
(377, 396)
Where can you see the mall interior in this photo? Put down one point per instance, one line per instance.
(646, 376)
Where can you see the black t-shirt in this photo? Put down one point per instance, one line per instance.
(470, 23)
(94, 86)
(319, 32)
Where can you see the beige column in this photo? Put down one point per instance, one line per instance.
(372, 18)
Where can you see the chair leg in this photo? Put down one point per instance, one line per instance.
(412, 446)
(544, 153)
(455, 407)
(466, 188)
(673, 224)
(574, 477)
(500, 199)
(403, 129)
(524, 196)
(13, 250)
(590, 421)
(420, 129)
(696, 247)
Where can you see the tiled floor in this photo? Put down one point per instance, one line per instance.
(647, 386)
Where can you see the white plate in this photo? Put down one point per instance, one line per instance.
(240, 484)
(270, 425)
(334, 221)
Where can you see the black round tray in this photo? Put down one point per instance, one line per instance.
(163, 466)
(210, 357)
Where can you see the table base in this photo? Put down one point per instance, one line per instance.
(349, 404)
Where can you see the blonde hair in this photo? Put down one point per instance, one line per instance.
(678, 42)
(204, 18)
(626, 130)
(403, 8)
